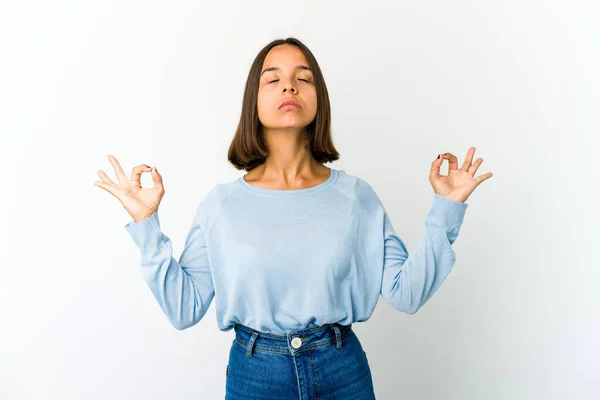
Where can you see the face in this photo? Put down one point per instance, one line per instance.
(286, 75)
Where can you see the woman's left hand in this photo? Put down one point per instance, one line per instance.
(460, 183)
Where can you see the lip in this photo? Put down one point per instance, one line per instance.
(290, 104)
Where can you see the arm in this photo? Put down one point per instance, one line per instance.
(184, 288)
(409, 281)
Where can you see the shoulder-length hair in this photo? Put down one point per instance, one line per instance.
(248, 147)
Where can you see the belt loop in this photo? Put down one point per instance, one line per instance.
(338, 336)
(251, 344)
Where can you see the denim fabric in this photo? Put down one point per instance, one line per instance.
(323, 362)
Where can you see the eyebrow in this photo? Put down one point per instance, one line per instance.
(304, 67)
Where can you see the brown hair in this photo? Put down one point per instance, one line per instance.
(248, 147)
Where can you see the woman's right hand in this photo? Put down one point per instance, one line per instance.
(139, 202)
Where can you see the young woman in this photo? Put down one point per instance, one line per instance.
(293, 252)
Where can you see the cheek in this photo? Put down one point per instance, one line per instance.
(313, 103)
(264, 105)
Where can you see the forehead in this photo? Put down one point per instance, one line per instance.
(285, 57)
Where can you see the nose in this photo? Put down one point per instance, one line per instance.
(289, 88)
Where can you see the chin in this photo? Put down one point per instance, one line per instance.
(294, 126)
(287, 123)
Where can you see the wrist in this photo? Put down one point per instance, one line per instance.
(140, 218)
(454, 197)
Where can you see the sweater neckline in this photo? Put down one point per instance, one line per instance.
(333, 174)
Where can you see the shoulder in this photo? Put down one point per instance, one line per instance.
(212, 202)
(360, 190)
(219, 194)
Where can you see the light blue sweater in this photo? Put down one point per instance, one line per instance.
(282, 260)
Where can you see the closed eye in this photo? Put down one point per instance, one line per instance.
(305, 80)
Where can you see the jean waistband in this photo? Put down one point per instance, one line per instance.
(292, 342)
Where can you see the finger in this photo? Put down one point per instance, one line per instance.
(468, 159)
(157, 179)
(118, 170)
(435, 166)
(473, 168)
(105, 177)
(452, 161)
(108, 187)
(108, 183)
(136, 174)
(483, 177)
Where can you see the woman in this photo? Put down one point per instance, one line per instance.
(293, 252)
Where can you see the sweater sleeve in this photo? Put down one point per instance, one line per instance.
(183, 289)
(409, 280)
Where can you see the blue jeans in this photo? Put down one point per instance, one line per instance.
(323, 362)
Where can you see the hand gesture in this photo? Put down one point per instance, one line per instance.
(139, 202)
(460, 183)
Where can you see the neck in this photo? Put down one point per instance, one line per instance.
(289, 156)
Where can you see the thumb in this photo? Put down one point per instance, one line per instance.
(435, 166)
(156, 178)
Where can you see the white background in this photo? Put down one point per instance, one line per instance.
(161, 83)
